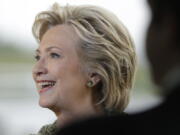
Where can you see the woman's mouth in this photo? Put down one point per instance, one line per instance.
(45, 85)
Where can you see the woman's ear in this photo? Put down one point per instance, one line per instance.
(93, 79)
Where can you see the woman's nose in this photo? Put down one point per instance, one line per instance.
(40, 69)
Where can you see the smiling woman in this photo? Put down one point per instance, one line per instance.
(86, 63)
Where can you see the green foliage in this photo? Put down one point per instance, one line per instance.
(144, 83)
(12, 54)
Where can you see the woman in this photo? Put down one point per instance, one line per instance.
(85, 66)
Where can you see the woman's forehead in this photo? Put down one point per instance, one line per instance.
(60, 34)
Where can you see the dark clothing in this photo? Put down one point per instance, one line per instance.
(161, 120)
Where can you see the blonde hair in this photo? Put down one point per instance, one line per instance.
(106, 48)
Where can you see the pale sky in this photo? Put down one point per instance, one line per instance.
(17, 16)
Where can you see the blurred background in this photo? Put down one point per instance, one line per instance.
(20, 113)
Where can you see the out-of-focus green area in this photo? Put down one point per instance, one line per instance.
(143, 82)
(12, 54)
(15, 71)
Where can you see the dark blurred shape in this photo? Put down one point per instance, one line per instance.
(163, 50)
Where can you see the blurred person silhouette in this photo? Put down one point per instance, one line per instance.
(85, 66)
(163, 51)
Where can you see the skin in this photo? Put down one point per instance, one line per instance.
(58, 60)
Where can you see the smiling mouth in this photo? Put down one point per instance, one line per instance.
(45, 85)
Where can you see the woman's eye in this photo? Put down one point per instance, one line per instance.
(54, 55)
(37, 57)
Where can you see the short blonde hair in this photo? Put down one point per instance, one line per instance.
(106, 46)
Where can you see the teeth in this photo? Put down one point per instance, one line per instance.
(44, 84)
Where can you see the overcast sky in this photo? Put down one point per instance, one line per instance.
(17, 16)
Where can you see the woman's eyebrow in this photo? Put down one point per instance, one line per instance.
(48, 49)
(53, 47)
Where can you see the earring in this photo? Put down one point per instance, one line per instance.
(90, 84)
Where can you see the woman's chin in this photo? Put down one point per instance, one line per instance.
(45, 103)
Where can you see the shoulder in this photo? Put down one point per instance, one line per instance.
(49, 129)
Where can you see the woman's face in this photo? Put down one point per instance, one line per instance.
(60, 81)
